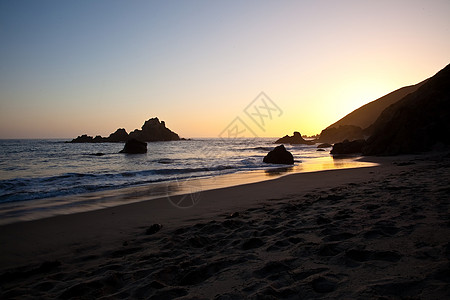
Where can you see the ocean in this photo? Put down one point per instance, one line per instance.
(40, 178)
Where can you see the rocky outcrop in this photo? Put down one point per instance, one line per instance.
(98, 139)
(134, 146)
(367, 114)
(324, 145)
(83, 139)
(416, 123)
(357, 124)
(344, 132)
(152, 131)
(120, 135)
(295, 139)
(279, 155)
(347, 147)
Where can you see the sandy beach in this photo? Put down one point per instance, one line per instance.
(366, 233)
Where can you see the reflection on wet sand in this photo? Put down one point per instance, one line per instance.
(278, 171)
(330, 162)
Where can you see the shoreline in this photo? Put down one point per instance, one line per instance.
(348, 233)
(20, 211)
(161, 210)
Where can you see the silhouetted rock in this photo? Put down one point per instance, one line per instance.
(347, 147)
(98, 139)
(120, 135)
(83, 139)
(345, 132)
(295, 139)
(153, 229)
(279, 155)
(367, 114)
(153, 131)
(416, 123)
(324, 145)
(357, 124)
(320, 149)
(98, 154)
(134, 146)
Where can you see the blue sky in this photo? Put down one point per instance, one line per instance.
(73, 67)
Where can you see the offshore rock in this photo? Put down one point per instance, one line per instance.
(153, 130)
(295, 139)
(324, 145)
(120, 135)
(279, 155)
(83, 139)
(134, 146)
(97, 139)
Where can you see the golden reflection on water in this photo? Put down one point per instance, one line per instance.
(221, 181)
(330, 163)
(191, 186)
(278, 171)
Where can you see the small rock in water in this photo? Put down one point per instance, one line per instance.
(134, 146)
(279, 155)
(325, 145)
(233, 215)
(153, 229)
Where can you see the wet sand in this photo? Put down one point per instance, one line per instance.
(376, 232)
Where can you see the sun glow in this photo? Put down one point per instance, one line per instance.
(197, 71)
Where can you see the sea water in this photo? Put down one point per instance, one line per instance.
(46, 171)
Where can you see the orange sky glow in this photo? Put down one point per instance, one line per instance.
(67, 69)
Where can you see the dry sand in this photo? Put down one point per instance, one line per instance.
(379, 232)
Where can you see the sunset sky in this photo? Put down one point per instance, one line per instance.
(74, 67)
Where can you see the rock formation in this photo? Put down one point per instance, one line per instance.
(83, 139)
(279, 155)
(367, 114)
(120, 135)
(295, 139)
(153, 130)
(355, 125)
(348, 147)
(345, 132)
(133, 146)
(324, 145)
(416, 123)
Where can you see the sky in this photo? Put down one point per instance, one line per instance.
(73, 67)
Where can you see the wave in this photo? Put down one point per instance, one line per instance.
(165, 161)
(62, 169)
(22, 189)
(260, 148)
